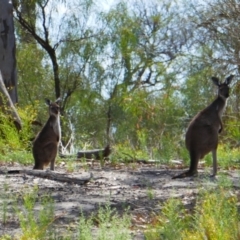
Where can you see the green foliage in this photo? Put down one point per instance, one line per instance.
(33, 79)
(126, 152)
(215, 217)
(197, 91)
(224, 181)
(183, 153)
(15, 145)
(149, 125)
(27, 115)
(20, 156)
(228, 157)
(10, 138)
(36, 215)
(171, 222)
(35, 227)
(5, 196)
(85, 228)
(127, 80)
(6, 237)
(150, 193)
(110, 226)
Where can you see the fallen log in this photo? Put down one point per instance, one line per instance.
(97, 154)
(60, 177)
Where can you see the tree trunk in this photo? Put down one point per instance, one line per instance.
(7, 50)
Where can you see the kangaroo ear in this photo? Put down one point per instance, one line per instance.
(229, 79)
(58, 100)
(48, 102)
(216, 81)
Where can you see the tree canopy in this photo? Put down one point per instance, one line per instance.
(131, 74)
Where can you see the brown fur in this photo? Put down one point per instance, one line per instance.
(45, 145)
(202, 133)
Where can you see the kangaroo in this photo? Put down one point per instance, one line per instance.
(202, 133)
(45, 145)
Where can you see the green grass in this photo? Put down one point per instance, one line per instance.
(35, 226)
(109, 225)
(228, 157)
(18, 156)
(36, 217)
(5, 197)
(214, 217)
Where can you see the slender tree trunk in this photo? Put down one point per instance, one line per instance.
(29, 26)
(8, 49)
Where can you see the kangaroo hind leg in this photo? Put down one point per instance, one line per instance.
(194, 158)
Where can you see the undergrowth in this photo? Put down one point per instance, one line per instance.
(109, 225)
(36, 217)
(214, 217)
(15, 146)
(35, 226)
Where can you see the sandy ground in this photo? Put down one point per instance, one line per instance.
(142, 188)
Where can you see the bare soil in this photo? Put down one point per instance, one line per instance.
(142, 188)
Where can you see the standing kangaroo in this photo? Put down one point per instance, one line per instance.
(45, 145)
(202, 133)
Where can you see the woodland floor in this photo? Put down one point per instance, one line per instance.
(140, 187)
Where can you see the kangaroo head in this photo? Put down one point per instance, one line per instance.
(223, 88)
(54, 108)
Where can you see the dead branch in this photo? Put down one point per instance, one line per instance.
(60, 177)
(97, 154)
(10, 106)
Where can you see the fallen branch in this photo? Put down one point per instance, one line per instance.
(5, 98)
(60, 177)
(144, 161)
(97, 154)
